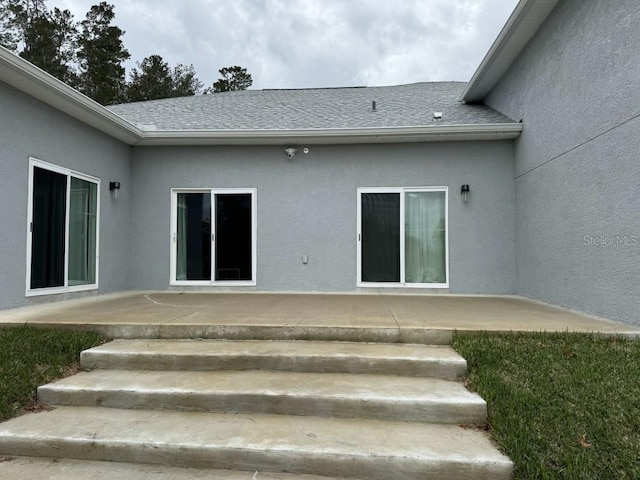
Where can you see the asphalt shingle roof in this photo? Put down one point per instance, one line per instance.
(350, 107)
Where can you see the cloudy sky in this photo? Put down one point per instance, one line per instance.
(312, 43)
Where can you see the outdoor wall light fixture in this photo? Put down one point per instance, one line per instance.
(114, 187)
(291, 152)
(464, 191)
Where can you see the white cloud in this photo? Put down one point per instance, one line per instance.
(312, 43)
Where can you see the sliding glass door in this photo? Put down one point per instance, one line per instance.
(402, 237)
(62, 238)
(214, 237)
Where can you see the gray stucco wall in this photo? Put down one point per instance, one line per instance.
(30, 128)
(308, 206)
(577, 88)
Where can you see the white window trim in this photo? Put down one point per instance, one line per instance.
(173, 234)
(402, 283)
(33, 292)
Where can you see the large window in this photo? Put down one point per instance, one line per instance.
(402, 237)
(62, 240)
(213, 237)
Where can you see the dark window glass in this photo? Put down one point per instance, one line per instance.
(380, 237)
(48, 239)
(233, 237)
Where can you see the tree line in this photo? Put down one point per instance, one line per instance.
(89, 55)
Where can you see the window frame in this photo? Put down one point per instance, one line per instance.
(401, 192)
(173, 234)
(69, 173)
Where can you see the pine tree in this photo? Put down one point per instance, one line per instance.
(101, 54)
(233, 79)
(150, 81)
(185, 82)
(8, 32)
(47, 38)
(154, 79)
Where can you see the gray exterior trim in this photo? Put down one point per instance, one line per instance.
(521, 26)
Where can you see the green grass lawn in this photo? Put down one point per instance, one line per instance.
(561, 406)
(31, 357)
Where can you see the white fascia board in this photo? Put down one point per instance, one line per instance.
(33, 81)
(494, 131)
(521, 26)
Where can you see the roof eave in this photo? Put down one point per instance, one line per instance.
(521, 26)
(28, 78)
(440, 133)
(24, 76)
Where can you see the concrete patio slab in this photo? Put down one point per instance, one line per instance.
(384, 317)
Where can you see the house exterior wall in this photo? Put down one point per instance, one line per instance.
(30, 128)
(576, 86)
(308, 206)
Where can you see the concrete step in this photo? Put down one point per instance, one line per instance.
(411, 399)
(268, 329)
(300, 356)
(65, 469)
(372, 449)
